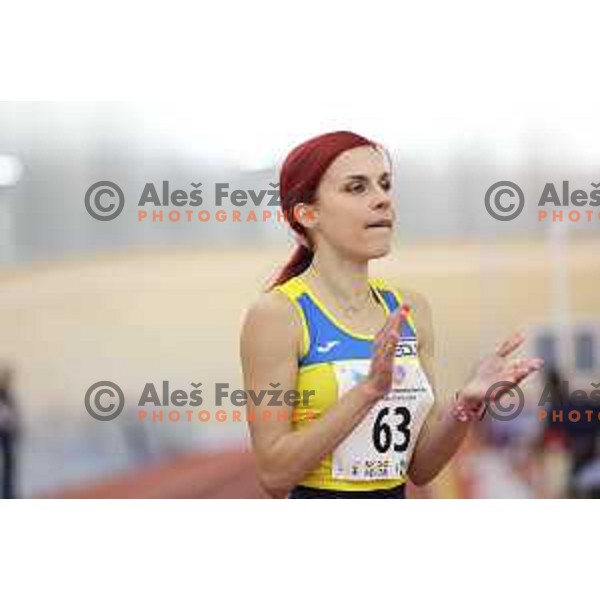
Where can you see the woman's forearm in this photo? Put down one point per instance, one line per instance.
(298, 452)
(438, 445)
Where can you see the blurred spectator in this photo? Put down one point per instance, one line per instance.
(578, 436)
(8, 432)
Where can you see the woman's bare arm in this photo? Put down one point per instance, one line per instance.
(442, 434)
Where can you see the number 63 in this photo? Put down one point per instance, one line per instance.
(382, 431)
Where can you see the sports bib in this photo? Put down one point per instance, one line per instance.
(381, 446)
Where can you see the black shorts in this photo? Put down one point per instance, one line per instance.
(301, 492)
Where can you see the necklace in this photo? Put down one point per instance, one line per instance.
(347, 310)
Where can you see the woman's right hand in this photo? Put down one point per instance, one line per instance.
(381, 374)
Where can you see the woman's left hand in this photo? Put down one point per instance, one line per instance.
(499, 367)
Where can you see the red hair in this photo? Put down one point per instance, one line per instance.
(299, 178)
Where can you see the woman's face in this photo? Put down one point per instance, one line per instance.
(354, 211)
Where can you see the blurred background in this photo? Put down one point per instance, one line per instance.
(132, 302)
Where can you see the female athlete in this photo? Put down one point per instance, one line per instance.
(355, 349)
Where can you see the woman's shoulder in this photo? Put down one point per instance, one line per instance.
(271, 307)
(273, 316)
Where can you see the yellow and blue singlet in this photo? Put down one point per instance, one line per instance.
(326, 340)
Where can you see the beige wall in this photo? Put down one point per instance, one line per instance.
(163, 314)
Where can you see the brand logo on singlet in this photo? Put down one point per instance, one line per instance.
(327, 346)
(406, 348)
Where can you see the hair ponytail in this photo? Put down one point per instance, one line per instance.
(298, 262)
